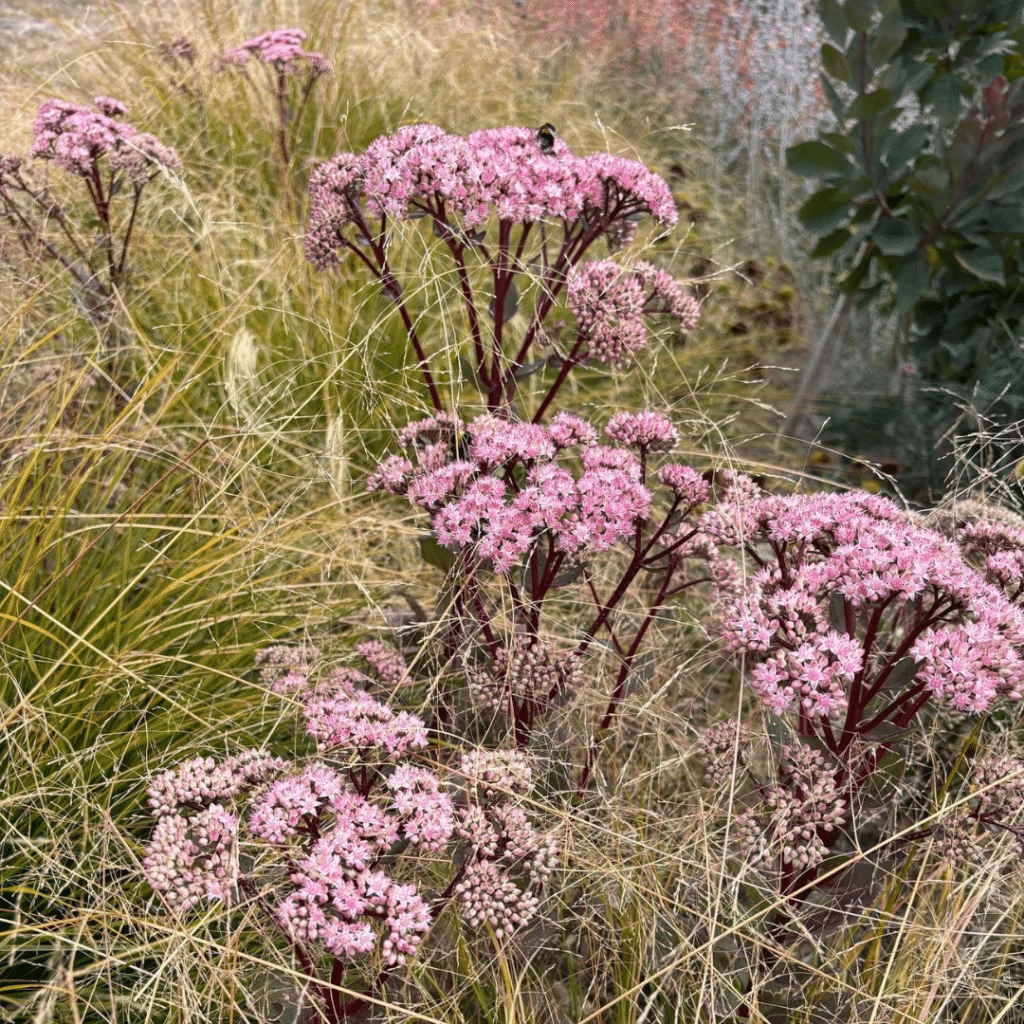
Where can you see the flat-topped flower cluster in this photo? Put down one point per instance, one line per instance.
(514, 482)
(852, 602)
(75, 137)
(423, 170)
(282, 48)
(340, 822)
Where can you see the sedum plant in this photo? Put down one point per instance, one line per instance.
(352, 852)
(115, 164)
(853, 621)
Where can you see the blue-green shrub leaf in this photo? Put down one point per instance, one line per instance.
(815, 159)
(834, 101)
(912, 279)
(834, 22)
(984, 263)
(871, 103)
(510, 305)
(896, 237)
(835, 63)
(907, 145)
(824, 210)
(831, 243)
(888, 37)
(858, 14)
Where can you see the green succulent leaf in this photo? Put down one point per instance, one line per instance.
(433, 554)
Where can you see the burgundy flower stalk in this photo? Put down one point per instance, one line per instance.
(105, 153)
(348, 827)
(534, 193)
(281, 51)
(854, 618)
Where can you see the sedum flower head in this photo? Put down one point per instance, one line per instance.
(814, 614)
(789, 822)
(281, 47)
(518, 481)
(505, 171)
(528, 674)
(76, 138)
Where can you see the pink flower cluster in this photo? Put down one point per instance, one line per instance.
(424, 169)
(281, 47)
(998, 549)
(847, 590)
(341, 897)
(511, 484)
(75, 137)
(339, 828)
(610, 301)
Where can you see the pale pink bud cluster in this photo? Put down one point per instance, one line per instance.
(201, 780)
(689, 486)
(789, 822)
(281, 47)
(285, 668)
(76, 137)
(191, 859)
(831, 564)
(528, 675)
(998, 781)
(611, 301)
(999, 550)
(499, 516)
(724, 748)
(191, 855)
(505, 171)
(508, 857)
(665, 295)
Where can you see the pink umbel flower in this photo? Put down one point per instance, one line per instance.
(350, 719)
(281, 47)
(608, 303)
(519, 481)
(75, 138)
(820, 612)
(648, 430)
(504, 171)
(386, 663)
